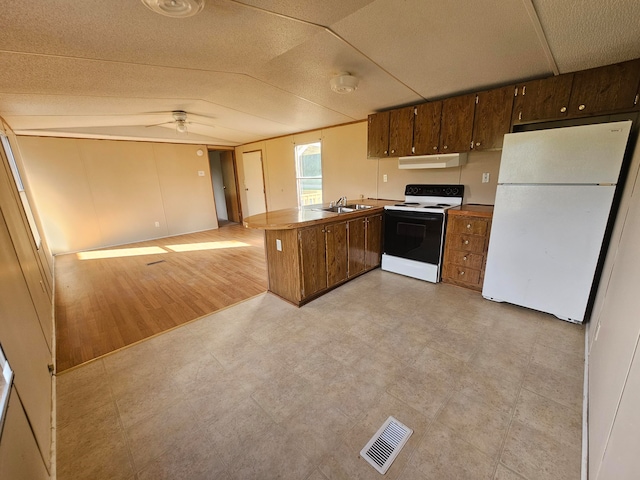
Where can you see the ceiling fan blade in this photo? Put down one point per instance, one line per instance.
(158, 124)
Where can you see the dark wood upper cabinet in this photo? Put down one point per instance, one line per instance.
(401, 131)
(378, 135)
(456, 126)
(605, 89)
(492, 118)
(426, 128)
(543, 99)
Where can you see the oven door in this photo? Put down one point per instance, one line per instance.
(414, 235)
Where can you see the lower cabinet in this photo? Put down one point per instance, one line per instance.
(306, 262)
(365, 244)
(466, 244)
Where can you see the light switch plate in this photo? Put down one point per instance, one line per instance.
(485, 177)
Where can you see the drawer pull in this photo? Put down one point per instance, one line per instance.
(461, 273)
(468, 225)
(464, 258)
(466, 242)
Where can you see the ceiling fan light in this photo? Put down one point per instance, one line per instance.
(175, 8)
(181, 126)
(344, 83)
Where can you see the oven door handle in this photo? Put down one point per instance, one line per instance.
(425, 216)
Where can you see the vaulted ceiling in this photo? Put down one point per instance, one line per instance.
(245, 70)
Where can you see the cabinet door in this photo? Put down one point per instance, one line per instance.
(401, 131)
(492, 119)
(378, 135)
(19, 455)
(357, 246)
(426, 128)
(457, 123)
(605, 89)
(313, 262)
(336, 248)
(543, 99)
(374, 241)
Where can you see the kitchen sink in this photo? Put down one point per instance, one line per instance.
(345, 208)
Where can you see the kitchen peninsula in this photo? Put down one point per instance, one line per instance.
(311, 250)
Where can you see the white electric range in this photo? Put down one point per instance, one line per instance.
(414, 230)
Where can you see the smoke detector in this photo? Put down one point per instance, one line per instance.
(344, 83)
(175, 8)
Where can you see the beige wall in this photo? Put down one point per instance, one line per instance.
(613, 346)
(96, 193)
(346, 170)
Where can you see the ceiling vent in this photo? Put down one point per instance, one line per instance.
(344, 83)
(175, 8)
(446, 160)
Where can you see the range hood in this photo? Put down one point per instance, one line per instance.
(445, 160)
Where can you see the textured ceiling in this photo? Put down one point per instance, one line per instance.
(253, 69)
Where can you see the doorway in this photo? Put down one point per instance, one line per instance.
(225, 186)
(254, 182)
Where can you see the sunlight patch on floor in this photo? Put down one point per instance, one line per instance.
(121, 252)
(190, 247)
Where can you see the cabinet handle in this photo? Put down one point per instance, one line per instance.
(466, 242)
(468, 225)
(435, 148)
(581, 107)
(385, 152)
(464, 258)
(445, 147)
(520, 116)
(524, 90)
(461, 273)
(393, 151)
(563, 109)
(477, 144)
(635, 101)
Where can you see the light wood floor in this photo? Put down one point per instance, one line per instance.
(103, 304)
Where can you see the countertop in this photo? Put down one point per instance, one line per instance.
(307, 216)
(472, 210)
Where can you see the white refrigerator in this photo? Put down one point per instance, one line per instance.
(554, 197)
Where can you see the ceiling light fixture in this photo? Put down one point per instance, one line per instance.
(344, 83)
(175, 8)
(180, 116)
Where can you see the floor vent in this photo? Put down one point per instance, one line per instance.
(386, 444)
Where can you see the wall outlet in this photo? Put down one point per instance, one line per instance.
(157, 224)
(278, 244)
(201, 173)
(385, 178)
(485, 177)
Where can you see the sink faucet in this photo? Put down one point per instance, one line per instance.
(341, 201)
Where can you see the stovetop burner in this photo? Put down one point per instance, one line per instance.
(430, 198)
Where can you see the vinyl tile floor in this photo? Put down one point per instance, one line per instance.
(265, 390)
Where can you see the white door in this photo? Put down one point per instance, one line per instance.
(254, 182)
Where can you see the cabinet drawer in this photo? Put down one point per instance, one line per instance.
(468, 225)
(457, 273)
(468, 243)
(465, 259)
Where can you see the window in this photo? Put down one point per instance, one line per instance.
(23, 196)
(309, 173)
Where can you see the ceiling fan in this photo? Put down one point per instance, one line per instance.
(180, 121)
